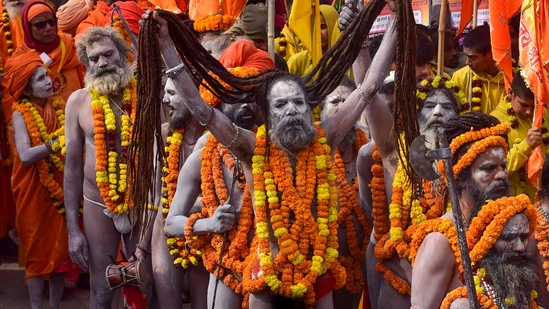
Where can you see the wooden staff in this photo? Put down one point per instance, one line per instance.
(470, 92)
(441, 34)
(270, 28)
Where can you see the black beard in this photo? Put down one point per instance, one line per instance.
(480, 197)
(294, 133)
(349, 139)
(177, 123)
(512, 275)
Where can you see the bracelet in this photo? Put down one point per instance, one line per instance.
(209, 120)
(143, 249)
(48, 145)
(173, 72)
(362, 93)
(236, 134)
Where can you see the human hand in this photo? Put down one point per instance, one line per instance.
(223, 219)
(392, 5)
(78, 249)
(533, 138)
(162, 25)
(348, 14)
(139, 254)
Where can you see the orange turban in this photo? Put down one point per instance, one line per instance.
(17, 71)
(70, 14)
(130, 11)
(243, 53)
(210, 98)
(38, 9)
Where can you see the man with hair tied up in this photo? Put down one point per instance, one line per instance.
(293, 143)
(99, 121)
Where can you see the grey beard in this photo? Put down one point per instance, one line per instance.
(109, 83)
(513, 278)
(293, 134)
(14, 11)
(349, 139)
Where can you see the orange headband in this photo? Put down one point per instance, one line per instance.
(38, 9)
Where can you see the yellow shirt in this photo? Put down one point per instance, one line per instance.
(493, 87)
(300, 64)
(293, 46)
(519, 151)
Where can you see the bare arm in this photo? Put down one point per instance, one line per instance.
(74, 162)
(361, 64)
(340, 123)
(432, 272)
(27, 154)
(217, 123)
(381, 124)
(364, 164)
(188, 189)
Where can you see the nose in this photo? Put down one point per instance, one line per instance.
(49, 27)
(519, 246)
(292, 110)
(102, 62)
(437, 111)
(501, 174)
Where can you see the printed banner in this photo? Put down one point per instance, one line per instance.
(483, 14)
(421, 10)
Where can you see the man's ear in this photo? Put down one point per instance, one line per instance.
(510, 93)
(27, 91)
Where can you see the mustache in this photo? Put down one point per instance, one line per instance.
(105, 71)
(292, 121)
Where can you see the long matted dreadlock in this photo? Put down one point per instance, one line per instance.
(330, 69)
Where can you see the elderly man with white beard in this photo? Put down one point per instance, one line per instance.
(99, 121)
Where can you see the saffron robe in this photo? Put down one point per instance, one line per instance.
(95, 18)
(71, 68)
(519, 152)
(42, 229)
(493, 87)
(16, 30)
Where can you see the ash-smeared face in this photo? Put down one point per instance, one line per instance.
(436, 111)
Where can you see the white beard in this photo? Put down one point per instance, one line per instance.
(14, 11)
(111, 83)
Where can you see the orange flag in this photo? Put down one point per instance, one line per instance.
(533, 23)
(500, 13)
(466, 14)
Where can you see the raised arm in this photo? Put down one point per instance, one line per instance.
(27, 154)
(188, 189)
(241, 141)
(340, 123)
(74, 178)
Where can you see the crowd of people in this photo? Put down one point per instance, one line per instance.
(163, 134)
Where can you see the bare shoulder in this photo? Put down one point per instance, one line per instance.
(165, 131)
(201, 142)
(79, 98)
(365, 160)
(436, 249)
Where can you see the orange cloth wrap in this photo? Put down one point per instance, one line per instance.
(96, 18)
(132, 14)
(70, 14)
(38, 9)
(41, 229)
(17, 71)
(71, 68)
(16, 29)
(243, 53)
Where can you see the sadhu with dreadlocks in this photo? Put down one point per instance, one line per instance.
(99, 122)
(297, 239)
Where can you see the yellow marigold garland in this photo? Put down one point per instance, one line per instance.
(111, 176)
(38, 135)
(274, 176)
(216, 22)
(7, 29)
(438, 82)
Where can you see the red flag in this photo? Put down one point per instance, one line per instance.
(532, 24)
(467, 7)
(500, 13)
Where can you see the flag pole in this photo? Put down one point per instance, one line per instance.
(270, 28)
(475, 21)
(441, 34)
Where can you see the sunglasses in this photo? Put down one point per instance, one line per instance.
(42, 24)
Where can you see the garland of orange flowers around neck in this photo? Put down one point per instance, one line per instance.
(349, 209)
(396, 240)
(484, 300)
(112, 177)
(38, 134)
(274, 189)
(484, 230)
(183, 258)
(214, 194)
(542, 239)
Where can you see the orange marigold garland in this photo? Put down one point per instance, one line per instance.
(542, 239)
(215, 193)
(461, 292)
(274, 188)
(38, 136)
(398, 284)
(349, 209)
(209, 97)
(216, 22)
(379, 197)
(111, 166)
(119, 26)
